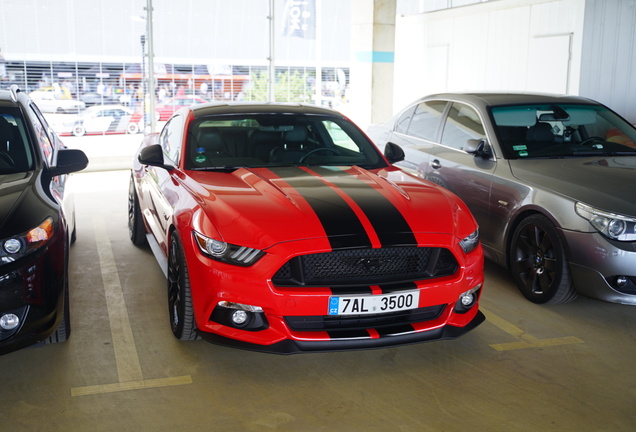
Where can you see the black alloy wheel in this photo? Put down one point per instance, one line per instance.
(179, 297)
(538, 262)
(136, 228)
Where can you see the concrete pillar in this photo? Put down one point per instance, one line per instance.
(373, 48)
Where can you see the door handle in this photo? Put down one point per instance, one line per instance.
(435, 164)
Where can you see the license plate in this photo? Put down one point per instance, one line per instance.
(373, 304)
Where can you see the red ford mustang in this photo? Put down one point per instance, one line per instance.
(282, 228)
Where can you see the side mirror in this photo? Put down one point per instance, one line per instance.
(68, 161)
(393, 153)
(477, 147)
(153, 155)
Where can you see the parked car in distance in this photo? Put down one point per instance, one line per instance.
(282, 228)
(550, 180)
(51, 102)
(37, 225)
(104, 119)
(91, 99)
(172, 105)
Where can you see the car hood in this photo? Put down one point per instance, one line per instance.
(606, 183)
(353, 207)
(17, 202)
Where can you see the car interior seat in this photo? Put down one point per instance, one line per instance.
(208, 146)
(539, 136)
(12, 152)
(294, 147)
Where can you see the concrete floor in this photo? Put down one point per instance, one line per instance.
(527, 368)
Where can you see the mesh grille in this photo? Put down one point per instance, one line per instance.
(366, 267)
(360, 322)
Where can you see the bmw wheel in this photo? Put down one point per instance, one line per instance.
(136, 228)
(132, 128)
(539, 263)
(179, 297)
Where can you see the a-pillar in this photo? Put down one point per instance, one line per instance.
(373, 47)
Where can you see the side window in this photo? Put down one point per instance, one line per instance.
(170, 138)
(426, 120)
(402, 124)
(41, 131)
(463, 123)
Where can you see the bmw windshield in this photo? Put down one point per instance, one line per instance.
(562, 130)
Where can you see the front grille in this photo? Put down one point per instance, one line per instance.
(362, 322)
(366, 267)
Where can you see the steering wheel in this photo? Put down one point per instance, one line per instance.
(591, 139)
(7, 159)
(332, 150)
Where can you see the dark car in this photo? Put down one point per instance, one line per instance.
(550, 179)
(37, 225)
(282, 228)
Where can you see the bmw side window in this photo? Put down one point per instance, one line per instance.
(402, 124)
(426, 119)
(41, 131)
(462, 124)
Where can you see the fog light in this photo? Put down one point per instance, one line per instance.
(621, 281)
(239, 317)
(467, 299)
(9, 321)
(12, 246)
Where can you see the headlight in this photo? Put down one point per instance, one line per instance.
(611, 225)
(225, 252)
(16, 247)
(468, 244)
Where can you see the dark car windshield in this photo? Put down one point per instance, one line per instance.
(561, 130)
(15, 152)
(267, 140)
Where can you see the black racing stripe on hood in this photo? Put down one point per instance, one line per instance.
(390, 225)
(338, 219)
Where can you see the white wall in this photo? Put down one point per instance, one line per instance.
(520, 45)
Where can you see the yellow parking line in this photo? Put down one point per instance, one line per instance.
(525, 340)
(129, 371)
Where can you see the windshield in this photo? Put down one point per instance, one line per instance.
(15, 153)
(268, 140)
(562, 130)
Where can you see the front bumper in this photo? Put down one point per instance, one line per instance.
(292, 346)
(597, 263)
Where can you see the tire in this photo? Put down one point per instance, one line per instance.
(136, 227)
(63, 331)
(539, 264)
(132, 128)
(79, 130)
(180, 308)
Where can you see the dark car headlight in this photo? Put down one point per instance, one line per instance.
(469, 243)
(226, 252)
(611, 225)
(16, 247)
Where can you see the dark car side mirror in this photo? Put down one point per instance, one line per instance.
(153, 155)
(478, 147)
(393, 153)
(68, 161)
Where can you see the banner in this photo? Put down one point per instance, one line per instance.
(299, 18)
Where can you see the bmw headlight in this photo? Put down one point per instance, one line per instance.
(611, 225)
(225, 252)
(16, 247)
(468, 244)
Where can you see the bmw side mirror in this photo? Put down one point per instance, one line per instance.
(153, 155)
(68, 161)
(478, 147)
(393, 153)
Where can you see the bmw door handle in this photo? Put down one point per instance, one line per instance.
(435, 164)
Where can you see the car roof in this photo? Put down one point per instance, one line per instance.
(260, 108)
(505, 98)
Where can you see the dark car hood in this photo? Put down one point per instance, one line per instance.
(259, 207)
(15, 189)
(606, 183)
